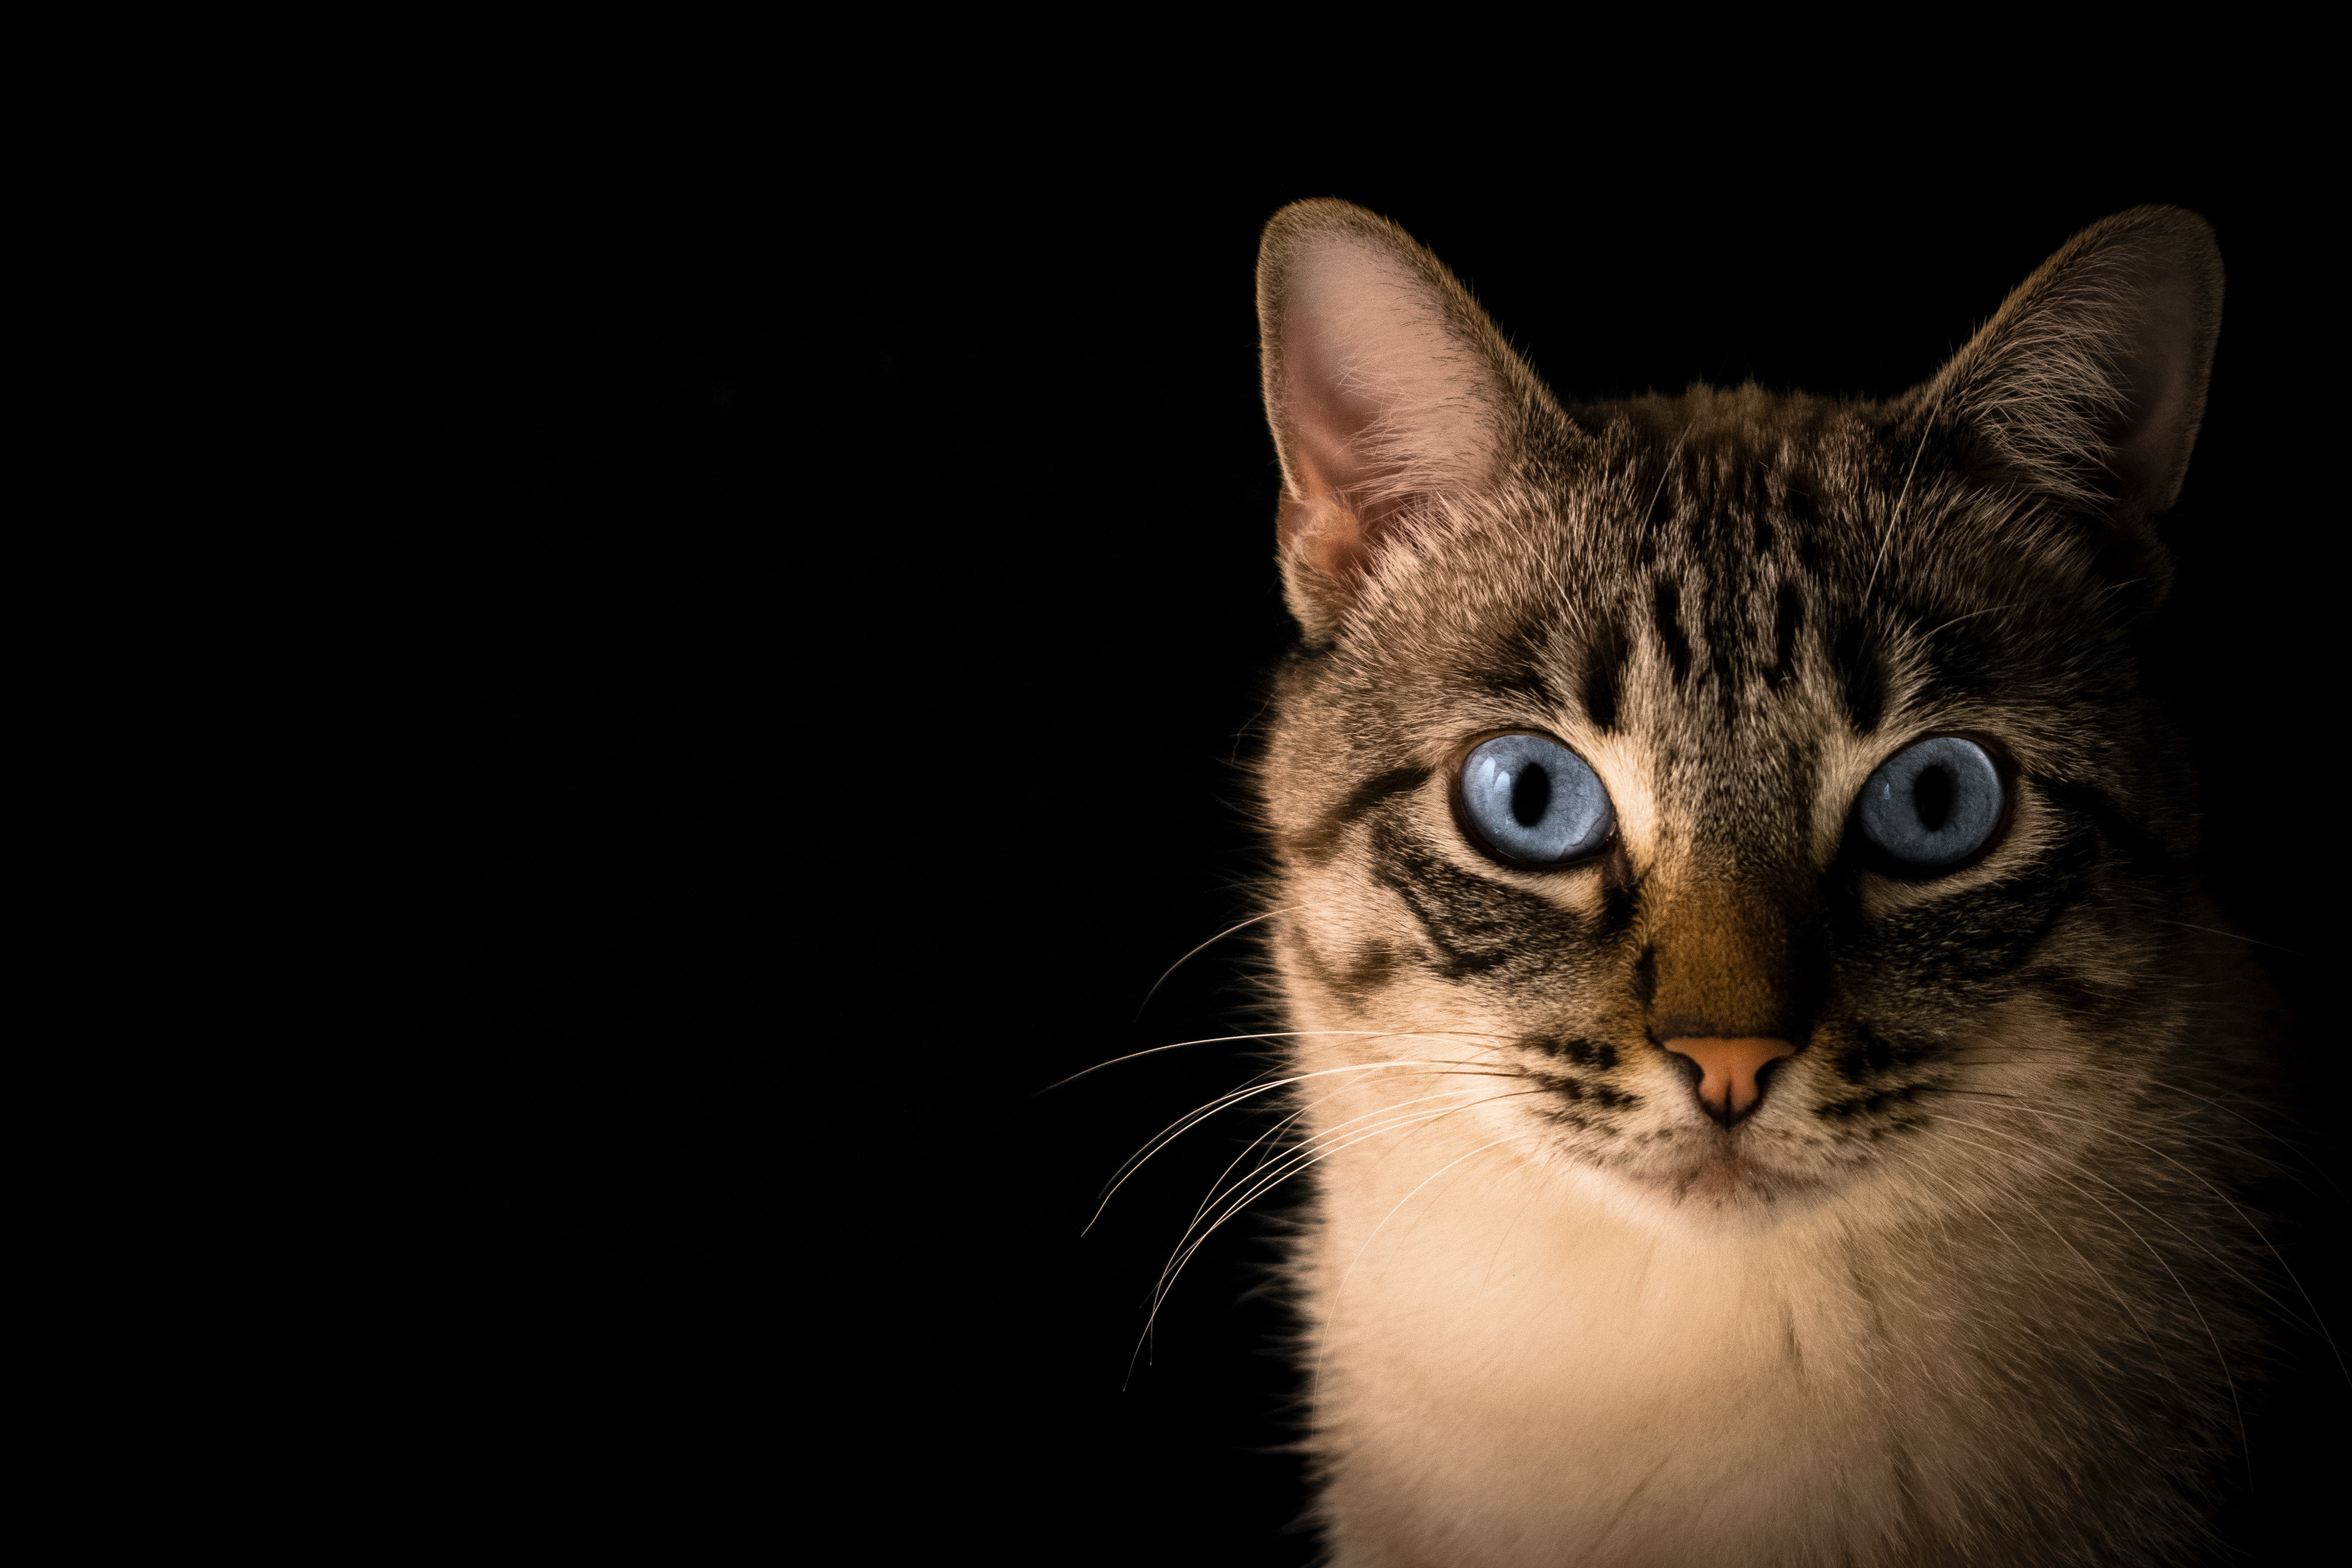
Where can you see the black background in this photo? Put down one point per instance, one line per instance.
(769, 667)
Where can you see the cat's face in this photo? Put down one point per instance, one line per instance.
(1733, 664)
(1734, 798)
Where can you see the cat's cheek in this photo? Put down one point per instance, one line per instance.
(1336, 933)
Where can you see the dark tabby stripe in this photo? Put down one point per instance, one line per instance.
(1516, 670)
(1356, 978)
(1969, 938)
(1571, 1087)
(1474, 925)
(1583, 1053)
(1666, 612)
(1318, 842)
(2123, 832)
(1862, 675)
(1869, 1054)
(1604, 675)
(1787, 618)
(1617, 898)
(1872, 1104)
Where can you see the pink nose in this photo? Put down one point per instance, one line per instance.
(1727, 1071)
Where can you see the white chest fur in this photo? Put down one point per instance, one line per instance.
(1512, 1370)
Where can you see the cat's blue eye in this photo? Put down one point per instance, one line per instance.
(1933, 804)
(1531, 801)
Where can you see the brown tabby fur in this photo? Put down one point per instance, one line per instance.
(1969, 1287)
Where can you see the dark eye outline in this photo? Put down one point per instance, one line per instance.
(1868, 854)
(1469, 829)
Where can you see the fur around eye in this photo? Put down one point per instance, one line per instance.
(1528, 801)
(1933, 804)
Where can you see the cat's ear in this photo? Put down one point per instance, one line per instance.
(1388, 388)
(2089, 381)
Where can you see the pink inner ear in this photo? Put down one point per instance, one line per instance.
(1381, 401)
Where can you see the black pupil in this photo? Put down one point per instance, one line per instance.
(1931, 797)
(1530, 796)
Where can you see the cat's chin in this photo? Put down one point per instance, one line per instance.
(1725, 1180)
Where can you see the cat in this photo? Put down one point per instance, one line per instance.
(1773, 1078)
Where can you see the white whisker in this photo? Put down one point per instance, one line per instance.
(1264, 1034)
(2317, 1322)
(1192, 1119)
(1315, 1154)
(2220, 1360)
(1242, 925)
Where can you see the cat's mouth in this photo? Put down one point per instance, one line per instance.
(1726, 1169)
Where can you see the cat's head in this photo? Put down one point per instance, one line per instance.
(1758, 785)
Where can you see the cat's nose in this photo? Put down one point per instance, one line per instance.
(1731, 1072)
